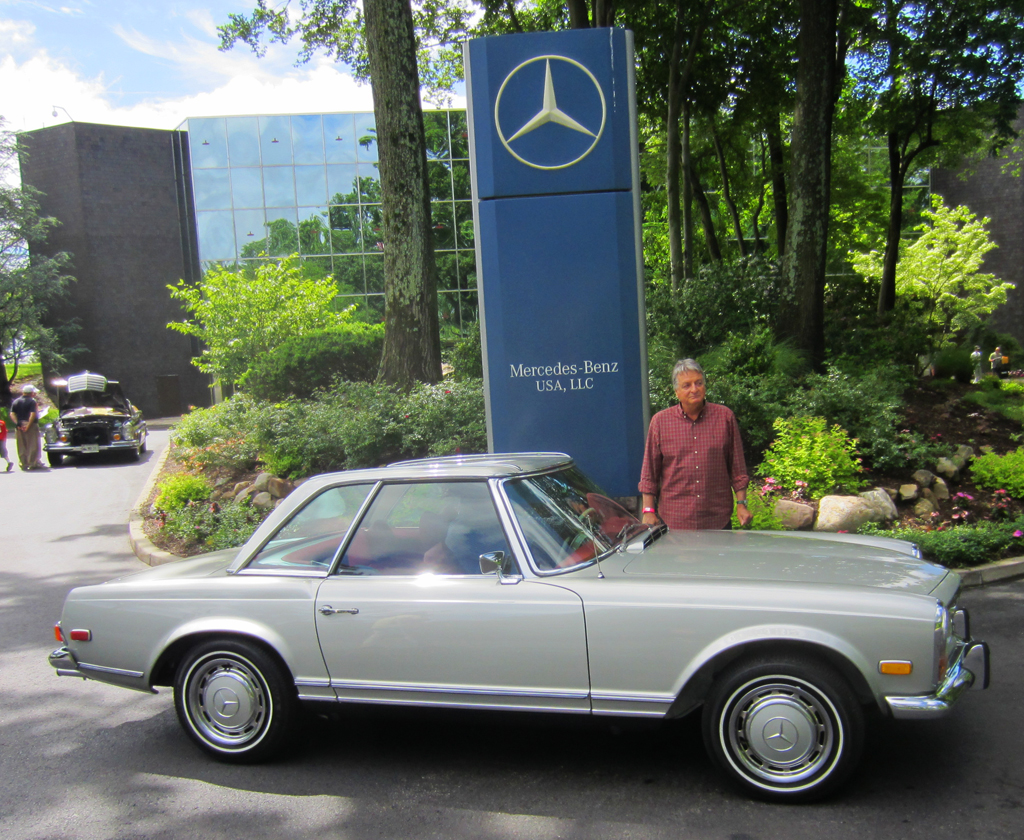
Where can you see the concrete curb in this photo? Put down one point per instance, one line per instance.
(1011, 567)
(1000, 570)
(141, 544)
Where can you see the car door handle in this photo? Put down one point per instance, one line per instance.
(327, 609)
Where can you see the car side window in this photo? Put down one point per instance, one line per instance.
(310, 538)
(416, 528)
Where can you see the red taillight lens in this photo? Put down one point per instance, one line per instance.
(56, 632)
(81, 635)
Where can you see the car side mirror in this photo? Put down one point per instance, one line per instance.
(500, 563)
(492, 562)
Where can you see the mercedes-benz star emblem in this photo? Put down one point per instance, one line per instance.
(784, 736)
(551, 113)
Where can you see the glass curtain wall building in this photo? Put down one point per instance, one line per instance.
(309, 184)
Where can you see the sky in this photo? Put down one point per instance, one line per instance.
(151, 63)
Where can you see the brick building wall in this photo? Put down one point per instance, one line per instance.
(990, 191)
(123, 220)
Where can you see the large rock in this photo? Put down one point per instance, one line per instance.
(247, 492)
(794, 516)
(940, 489)
(924, 507)
(279, 488)
(947, 469)
(923, 478)
(842, 513)
(263, 500)
(881, 504)
(908, 492)
(261, 481)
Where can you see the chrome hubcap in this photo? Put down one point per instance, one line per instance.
(228, 701)
(781, 731)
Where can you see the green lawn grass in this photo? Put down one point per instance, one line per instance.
(25, 369)
(1006, 399)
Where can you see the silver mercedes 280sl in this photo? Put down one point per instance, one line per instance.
(512, 582)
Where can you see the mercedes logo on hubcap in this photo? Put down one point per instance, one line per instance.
(780, 735)
(551, 112)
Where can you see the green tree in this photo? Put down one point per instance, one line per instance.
(29, 281)
(939, 273)
(943, 77)
(241, 314)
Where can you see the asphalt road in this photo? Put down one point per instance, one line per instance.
(84, 760)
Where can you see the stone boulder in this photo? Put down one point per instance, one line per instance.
(261, 481)
(843, 513)
(924, 507)
(908, 492)
(279, 487)
(878, 500)
(940, 489)
(794, 516)
(947, 469)
(262, 500)
(923, 478)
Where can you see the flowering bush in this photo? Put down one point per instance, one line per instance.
(210, 526)
(1001, 471)
(963, 546)
(822, 459)
(178, 490)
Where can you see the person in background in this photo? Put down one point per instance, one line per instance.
(693, 461)
(25, 413)
(3, 444)
(976, 358)
(996, 360)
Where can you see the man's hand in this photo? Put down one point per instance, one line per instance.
(744, 515)
(650, 519)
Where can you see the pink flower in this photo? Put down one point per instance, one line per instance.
(1018, 533)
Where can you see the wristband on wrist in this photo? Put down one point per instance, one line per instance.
(741, 502)
(649, 510)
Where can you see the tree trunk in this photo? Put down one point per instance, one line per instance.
(887, 292)
(687, 168)
(673, 157)
(810, 181)
(412, 343)
(707, 220)
(777, 159)
(727, 196)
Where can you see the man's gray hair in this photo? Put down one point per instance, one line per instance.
(684, 366)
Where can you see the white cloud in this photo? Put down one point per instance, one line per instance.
(15, 34)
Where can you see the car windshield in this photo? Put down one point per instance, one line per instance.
(566, 519)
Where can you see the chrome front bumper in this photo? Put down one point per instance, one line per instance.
(969, 670)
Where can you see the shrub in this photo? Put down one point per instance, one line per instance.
(221, 435)
(955, 363)
(963, 545)
(178, 490)
(757, 402)
(754, 353)
(444, 419)
(209, 526)
(1005, 472)
(806, 450)
(309, 363)
(762, 508)
(466, 355)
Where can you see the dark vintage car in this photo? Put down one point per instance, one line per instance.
(94, 415)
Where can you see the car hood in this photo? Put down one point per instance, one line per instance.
(780, 556)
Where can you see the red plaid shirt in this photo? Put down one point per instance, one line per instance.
(693, 466)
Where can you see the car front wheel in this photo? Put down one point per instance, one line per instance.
(235, 701)
(787, 729)
(55, 458)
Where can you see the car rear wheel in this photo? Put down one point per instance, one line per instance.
(786, 730)
(235, 701)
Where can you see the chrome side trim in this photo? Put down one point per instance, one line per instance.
(969, 670)
(635, 698)
(458, 689)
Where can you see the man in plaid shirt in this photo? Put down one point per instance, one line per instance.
(693, 461)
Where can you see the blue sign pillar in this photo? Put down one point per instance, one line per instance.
(552, 119)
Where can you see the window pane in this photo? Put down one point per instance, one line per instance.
(467, 270)
(339, 138)
(348, 274)
(250, 232)
(459, 134)
(442, 222)
(373, 227)
(464, 224)
(341, 184)
(207, 142)
(247, 186)
(440, 177)
(439, 528)
(275, 140)
(279, 186)
(310, 185)
(243, 141)
(310, 539)
(462, 184)
(435, 127)
(366, 137)
(282, 233)
(346, 236)
(314, 234)
(447, 271)
(374, 267)
(308, 139)
(216, 235)
(212, 189)
(369, 183)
